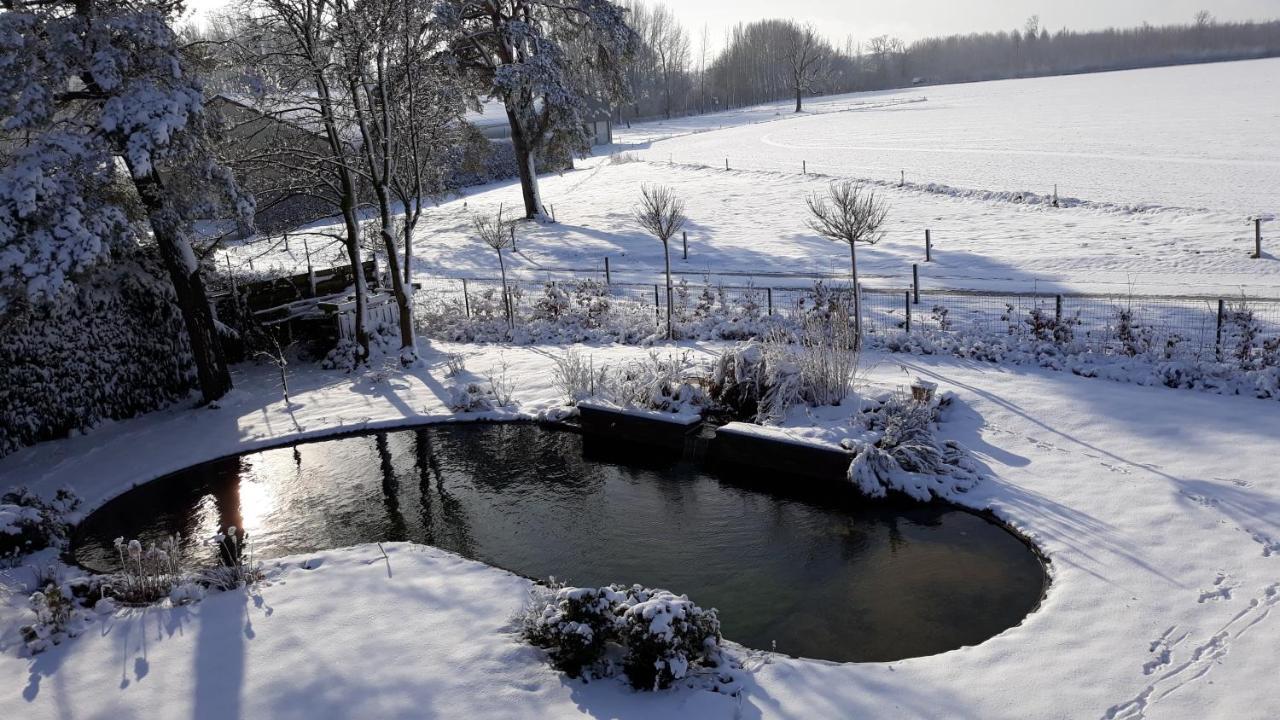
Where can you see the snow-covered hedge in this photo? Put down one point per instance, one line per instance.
(661, 636)
(111, 348)
(29, 523)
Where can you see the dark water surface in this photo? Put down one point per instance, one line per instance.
(818, 571)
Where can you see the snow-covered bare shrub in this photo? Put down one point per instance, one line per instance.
(655, 383)
(553, 304)
(455, 365)
(826, 353)
(907, 456)
(665, 635)
(756, 381)
(1135, 339)
(624, 158)
(29, 522)
(146, 575)
(577, 378)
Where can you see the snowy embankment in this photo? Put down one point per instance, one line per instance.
(1163, 531)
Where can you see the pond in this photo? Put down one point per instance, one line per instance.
(808, 569)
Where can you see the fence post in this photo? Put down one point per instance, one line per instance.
(903, 179)
(928, 247)
(466, 298)
(1222, 311)
(1257, 238)
(804, 167)
(769, 292)
(607, 279)
(726, 163)
(657, 310)
(311, 273)
(1057, 309)
(915, 282)
(684, 237)
(908, 306)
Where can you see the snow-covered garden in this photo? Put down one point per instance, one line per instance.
(1088, 364)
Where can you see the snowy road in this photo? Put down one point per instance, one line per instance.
(1164, 535)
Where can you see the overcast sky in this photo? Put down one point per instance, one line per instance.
(914, 19)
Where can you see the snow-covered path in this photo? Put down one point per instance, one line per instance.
(1160, 510)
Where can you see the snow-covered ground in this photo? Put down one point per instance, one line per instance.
(1169, 165)
(1159, 510)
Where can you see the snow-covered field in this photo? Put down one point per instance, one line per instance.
(1164, 537)
(1192, 149)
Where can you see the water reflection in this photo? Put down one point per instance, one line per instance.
(814, 568)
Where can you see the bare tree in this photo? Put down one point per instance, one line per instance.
(808, 58)
(496, 232)
(669, 44)
(851, 213)
(661, 214)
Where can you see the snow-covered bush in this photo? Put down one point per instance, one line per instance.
(58, 617)
(665, 635)
(654, 383)
(577, 377)
(573, 625)
(661, 636)
(29, 523)
(110, 348)
(906, 455)
(756, 382)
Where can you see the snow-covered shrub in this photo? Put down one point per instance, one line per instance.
(665, 635)
(29, 523)
(825, 351)
(577, 377)
(573, 625)
(661, 636)
(1135, 339)
(146, 575)
(756, 382)
(58, 617)
(907, 456)
(654, 383)
(109, 348)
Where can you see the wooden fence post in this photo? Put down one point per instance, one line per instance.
(311, 273)
(466, 298)
(769, 292)
(684, 237)
(726, 163)
(1057, 309)
(928, 246)
(908, 306)
(1222, 311)
(1257, 238)
(804, 167)
(607, 279)
(915, 282)
(657, 309)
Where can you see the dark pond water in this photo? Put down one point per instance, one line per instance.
(818, 571)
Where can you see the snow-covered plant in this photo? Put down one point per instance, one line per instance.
(661, 214)
(501, 386)
(756, 382)
(907, 457)
(455, 365)
(1135, 339)
(662, 636)
(58, 617)
(655, 383)
(553, 304)
(29, 522)
(826, 353)
(577, 377)
(237, 566)
(573, 624)
(149, 574)
(941, 315)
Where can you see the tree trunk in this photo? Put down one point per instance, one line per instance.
(857, 297)
(188, 287)
(666, 258)
(525, 166)
(798, 96)
(408, 343)
(357, 270)
(506, 299)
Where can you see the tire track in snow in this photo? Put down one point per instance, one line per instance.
(1202, 660)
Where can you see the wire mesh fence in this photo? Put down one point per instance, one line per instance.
(1173, 327)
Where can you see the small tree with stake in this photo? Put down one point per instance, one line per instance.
(849, 213)
(496, 233)
(661, 214)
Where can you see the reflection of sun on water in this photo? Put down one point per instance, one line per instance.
(256, 502)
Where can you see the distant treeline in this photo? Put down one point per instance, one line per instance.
(758, 60)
